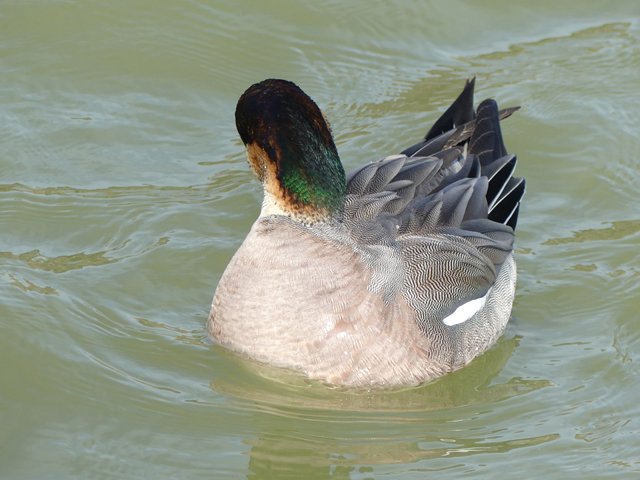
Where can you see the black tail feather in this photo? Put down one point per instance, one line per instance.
(499, 172)
(505, 209)
(459, 113)
(486, 153)
(486, 141)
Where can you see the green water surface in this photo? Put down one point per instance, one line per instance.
(124, 193)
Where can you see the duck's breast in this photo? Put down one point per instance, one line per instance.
(292, 298)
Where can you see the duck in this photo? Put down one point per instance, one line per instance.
(394, 274)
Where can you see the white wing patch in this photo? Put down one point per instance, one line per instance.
(465, 311)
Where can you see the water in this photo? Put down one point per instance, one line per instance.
(124, 193)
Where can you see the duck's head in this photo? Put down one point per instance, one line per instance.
(290, 148)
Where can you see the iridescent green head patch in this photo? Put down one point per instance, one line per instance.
(282, 120)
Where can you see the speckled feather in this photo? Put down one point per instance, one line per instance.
(359, 297)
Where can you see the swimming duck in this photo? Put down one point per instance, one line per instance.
(394, 274)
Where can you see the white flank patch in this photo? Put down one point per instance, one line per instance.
(465, 311)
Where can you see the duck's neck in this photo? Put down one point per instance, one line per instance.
(309, 191)
(270, 206)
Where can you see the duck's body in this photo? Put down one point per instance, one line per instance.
(397, 274)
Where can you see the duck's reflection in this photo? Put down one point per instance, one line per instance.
(308, 430)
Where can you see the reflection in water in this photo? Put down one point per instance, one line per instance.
(179, 195)
(64, 263)
(426, 422)
(583, 268)
(36, 261)
(284, 392)
(616, 231)
(29, 286)
(275, 456)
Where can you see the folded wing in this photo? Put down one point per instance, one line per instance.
(450, 202)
